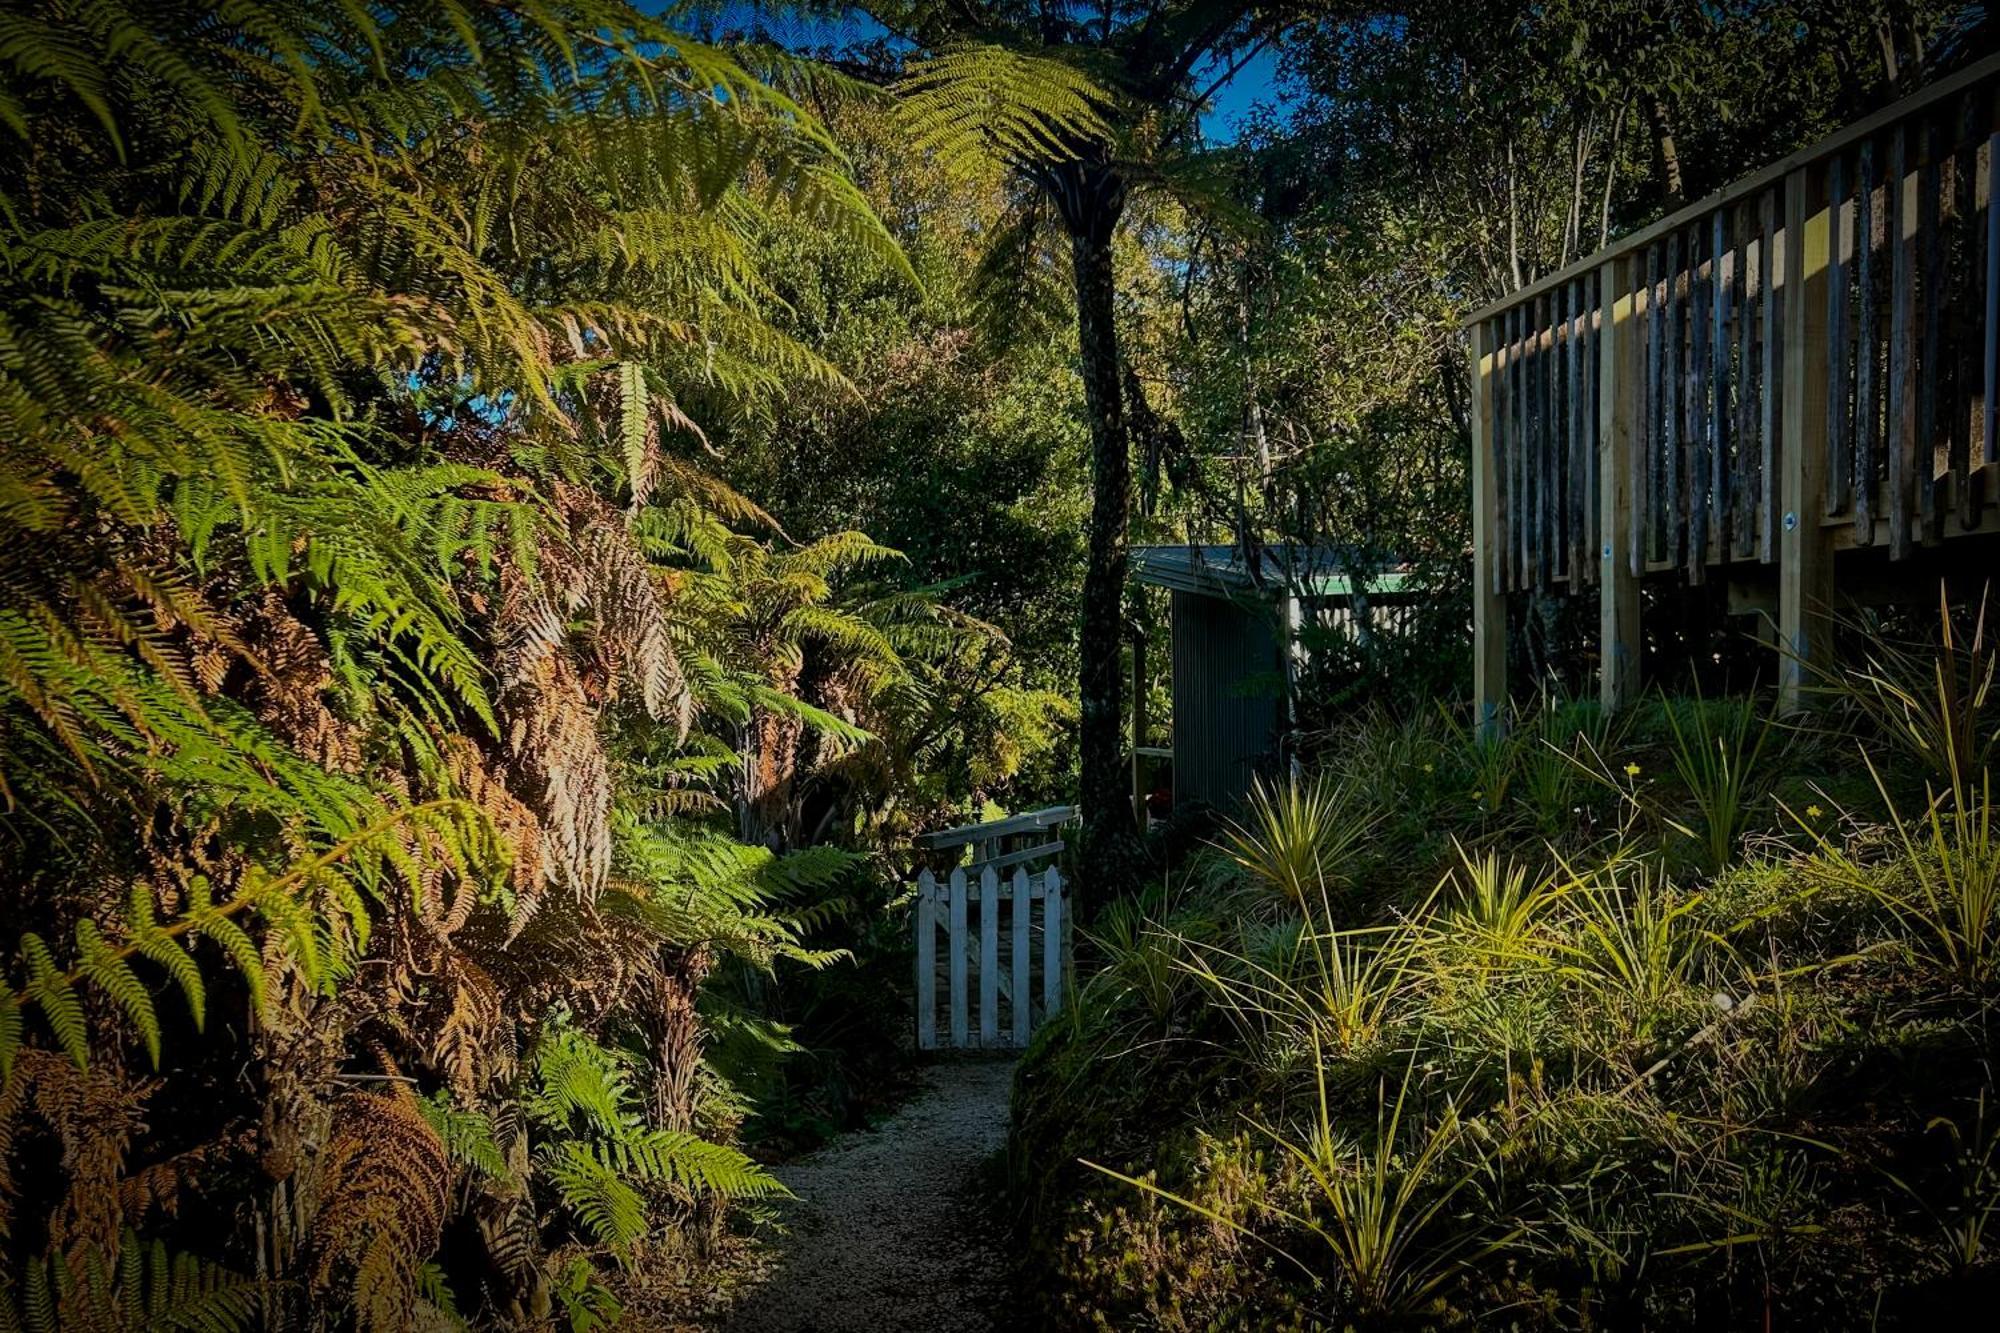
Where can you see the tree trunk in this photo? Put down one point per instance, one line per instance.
(1091, 198)
(1666, 154)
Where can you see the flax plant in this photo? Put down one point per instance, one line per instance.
(1930, 700)
(1641, 944)
(1551, 771)
(1331, 989)
(1497, 910)
(1299, 836)
(1489, 758)
(1383, 1213)
(1948, 897)
(1717, 752)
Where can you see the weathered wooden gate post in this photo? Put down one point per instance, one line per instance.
(1489, 602)
(1620, 378)
(1805, 555)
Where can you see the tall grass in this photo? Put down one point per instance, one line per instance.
(1553, 762)
(1644, 1090)
(1639, 941)
(1325, 989)
(1497, 910)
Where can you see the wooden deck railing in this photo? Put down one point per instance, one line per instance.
(1801, 363)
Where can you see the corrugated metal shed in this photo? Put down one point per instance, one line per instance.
(1227, 686)
(1229, 652)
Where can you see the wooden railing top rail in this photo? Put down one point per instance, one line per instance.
(1747, 186)
(1000, 828)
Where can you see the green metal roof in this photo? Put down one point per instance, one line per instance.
(1299, 571)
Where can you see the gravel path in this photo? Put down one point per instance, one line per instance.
(887, 1233)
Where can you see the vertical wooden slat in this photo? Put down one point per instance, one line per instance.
(1839, 269)
(927, 895)
(1673, 507)
(1052, 951)
(1805, 567)
(1620, 396)
(1595, 312)
(1490, 409)
(1552, 438)
(1552, 441)
(1701, 295)
(1489, 602)
(960, 1006)
(1722, 277)
(989, 958)
(1745, 296)
(1544, 366)
(1867, 378)
(1963, 308)
(1645, 439)
(1989, 451)
(1021, 1001)
(1771, 268)
(1902, 348)
(1517, 440)
(1929, 259)
(1573, 490)
(1530, 446)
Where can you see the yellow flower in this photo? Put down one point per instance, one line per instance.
(1477, 795)
(1631, 770)
(1814, 812)
(1429, 767)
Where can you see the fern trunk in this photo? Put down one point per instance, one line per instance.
(1091, 199)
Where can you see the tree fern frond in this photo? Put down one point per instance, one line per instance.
(975, 104)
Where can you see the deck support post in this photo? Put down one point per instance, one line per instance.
(1805, 555)
(1489, 603)
(1619, 372)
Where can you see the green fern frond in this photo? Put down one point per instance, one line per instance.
(278, 903)
(977, 104)
(467, 1136)
(148, 1290)
(101, 965)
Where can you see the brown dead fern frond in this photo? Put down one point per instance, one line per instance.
(385, 1198)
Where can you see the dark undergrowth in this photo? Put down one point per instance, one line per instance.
(1683, 1019)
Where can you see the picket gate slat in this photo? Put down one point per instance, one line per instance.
(1052, 955)
(989, 959)
(959, 1023)
(1018, 1000)
(927, 894)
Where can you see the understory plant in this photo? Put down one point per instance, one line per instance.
(1581, 1079)
(1300, 836)
(1718, 754)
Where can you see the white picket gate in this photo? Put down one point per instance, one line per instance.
(969, 909)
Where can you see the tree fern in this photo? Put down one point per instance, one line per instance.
(467, 1136)
(317, 580)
